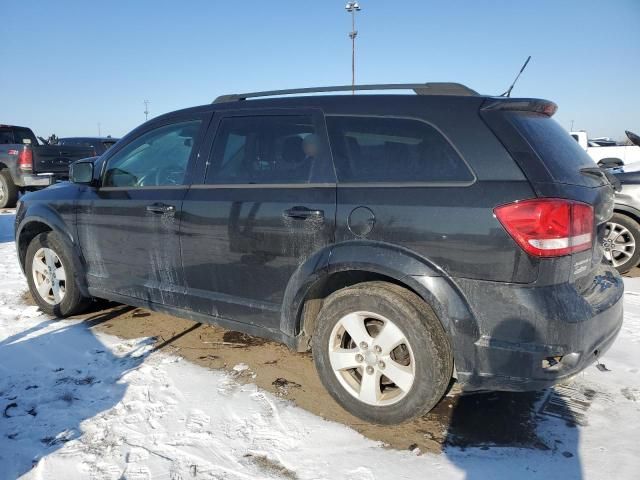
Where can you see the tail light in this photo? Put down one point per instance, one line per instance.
(548, 227)
(25, 160)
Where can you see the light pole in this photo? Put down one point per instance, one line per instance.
(352, 8)
(146, 109)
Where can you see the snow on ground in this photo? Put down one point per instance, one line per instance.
(75, 403)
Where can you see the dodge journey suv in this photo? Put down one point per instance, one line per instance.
(407, 240)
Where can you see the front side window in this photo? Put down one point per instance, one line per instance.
(265, 149)
(156, 158)
(386, 149)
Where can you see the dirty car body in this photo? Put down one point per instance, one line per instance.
(234, 229)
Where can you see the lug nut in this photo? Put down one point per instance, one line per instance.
(381, 364)
(363, 345)
(370, 370)
(359, 358)
(377, 349)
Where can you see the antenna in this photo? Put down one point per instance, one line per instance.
(508, 92)
(146, 109)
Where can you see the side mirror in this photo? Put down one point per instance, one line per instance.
(81, 172)
(610, 163)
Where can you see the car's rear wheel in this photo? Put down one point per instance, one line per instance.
(8, 190)
(51, 276)
(381, 352)
(622, 242)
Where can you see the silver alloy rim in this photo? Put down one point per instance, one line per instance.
(371, 358)
(619, 244)
(3, 192)
(49, 276)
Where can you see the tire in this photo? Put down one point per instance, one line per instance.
(48, 249)
(622, 242)
(422, 350)
(8, 190)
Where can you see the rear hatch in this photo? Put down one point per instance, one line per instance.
(57, 158)
(555, 165)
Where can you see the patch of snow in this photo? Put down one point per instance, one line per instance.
(79, 404)
(241, 367)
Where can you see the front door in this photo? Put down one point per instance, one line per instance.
(128, 227)
(267, 202)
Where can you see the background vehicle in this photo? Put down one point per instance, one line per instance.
(27, 165)
(99, 144)
(398, 236)
(621, 241)
(600, 150)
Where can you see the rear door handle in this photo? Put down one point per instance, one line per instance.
(161, 208)
(303, 213)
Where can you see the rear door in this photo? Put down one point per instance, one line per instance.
(128, 227)
(267, 203)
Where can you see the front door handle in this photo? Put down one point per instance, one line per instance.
(161, 208)
(303, 213)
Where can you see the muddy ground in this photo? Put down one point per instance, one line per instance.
(484, 420)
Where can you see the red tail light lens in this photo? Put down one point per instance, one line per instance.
(25, 160)
(548, 227)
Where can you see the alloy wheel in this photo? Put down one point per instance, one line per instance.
(619, 244)
(372, 358)
(49, 276)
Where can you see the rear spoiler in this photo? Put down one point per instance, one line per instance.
(536, 105)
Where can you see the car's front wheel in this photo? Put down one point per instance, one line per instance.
(51, 276)
(622, 242)
(381, 352)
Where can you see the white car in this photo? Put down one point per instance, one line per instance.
(620, 155)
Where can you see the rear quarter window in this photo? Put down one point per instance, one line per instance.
(560, 153)
(388, 149)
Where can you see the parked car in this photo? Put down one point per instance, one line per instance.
(621, 241)
(407, 240)
(606, 154)
(99, 144)
(26, 165)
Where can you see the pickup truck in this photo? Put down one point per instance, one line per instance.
(610, 155)
(26, 165)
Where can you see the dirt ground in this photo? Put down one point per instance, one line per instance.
(485, 420)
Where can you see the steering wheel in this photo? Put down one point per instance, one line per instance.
(170, 175)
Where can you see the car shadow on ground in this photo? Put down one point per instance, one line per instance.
(53, 376)
(482, 423)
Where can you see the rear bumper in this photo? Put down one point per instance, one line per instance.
(38, 180)
(534, 337)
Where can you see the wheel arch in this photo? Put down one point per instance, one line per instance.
(40, 219)
(628, 211)
(355, 262)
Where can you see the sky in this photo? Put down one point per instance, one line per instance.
(69, 66)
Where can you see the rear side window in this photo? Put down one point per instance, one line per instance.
(561, 154)
(386, 149)
(6, 137)
(265, 149)
(17, 135)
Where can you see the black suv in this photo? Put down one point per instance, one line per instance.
(407, 240)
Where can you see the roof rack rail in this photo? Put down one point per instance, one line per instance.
(435, 88)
